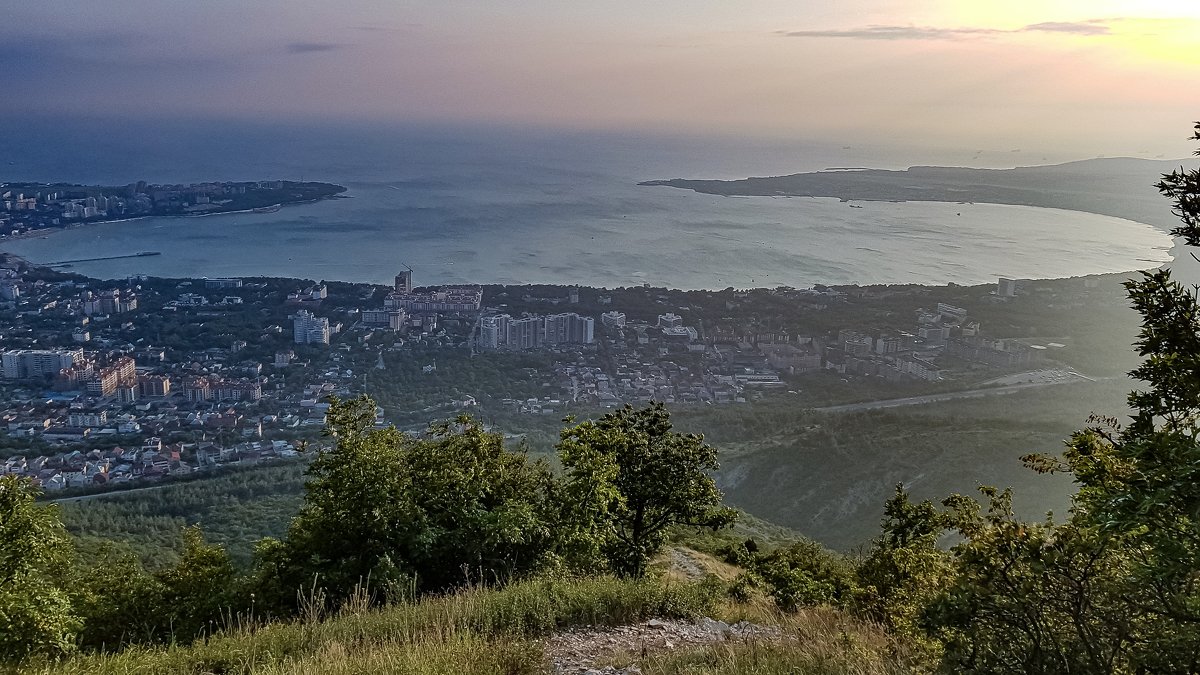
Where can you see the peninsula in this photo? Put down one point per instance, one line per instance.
(30, 207)
(1118, 187)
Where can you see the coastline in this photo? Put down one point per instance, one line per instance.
(46, 231)
(13, 257)
(1115, 187)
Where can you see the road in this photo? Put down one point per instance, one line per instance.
(947, 396)
(110, 493)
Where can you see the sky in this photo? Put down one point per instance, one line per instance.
(1088, 76)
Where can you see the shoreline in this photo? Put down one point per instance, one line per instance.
(47, 231)
(566, 286)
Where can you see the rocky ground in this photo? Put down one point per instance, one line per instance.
(582, 651)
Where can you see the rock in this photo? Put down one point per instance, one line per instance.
(657, 624)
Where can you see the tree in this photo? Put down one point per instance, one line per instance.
(636, 478)
(198, 589)
(1029, 597)
(386, 509)
(35, 608)
(905, 570)
(118, 601)
(1116, 588)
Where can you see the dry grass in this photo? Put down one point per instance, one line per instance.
(812, 642)
(477, 630)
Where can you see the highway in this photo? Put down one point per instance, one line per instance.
(947, 396)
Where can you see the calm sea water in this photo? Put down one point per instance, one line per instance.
(504, 206)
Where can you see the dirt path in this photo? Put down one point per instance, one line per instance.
(580, 651)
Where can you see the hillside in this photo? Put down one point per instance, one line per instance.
(540, 626)
(1119, 187)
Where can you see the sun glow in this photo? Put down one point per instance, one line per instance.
(1174, 40)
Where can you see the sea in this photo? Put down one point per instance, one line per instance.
(482, 204)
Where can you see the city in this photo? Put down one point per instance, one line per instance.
(108, 383)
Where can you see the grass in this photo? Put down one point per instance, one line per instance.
(477, 630)
(482, 631)
(815, 641)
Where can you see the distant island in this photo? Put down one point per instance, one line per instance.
(31, 207)
(1119, 187)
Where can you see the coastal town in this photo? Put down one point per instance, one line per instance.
(144, 379)
(29, 208)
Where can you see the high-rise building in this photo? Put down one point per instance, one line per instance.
(569, 328)
(493, 331)
(525, 333)
(502, 331)
(404, 282)
(310, 329)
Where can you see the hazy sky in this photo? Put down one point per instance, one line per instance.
(1112, 76)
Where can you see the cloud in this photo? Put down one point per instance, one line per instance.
(402, 28)
(1095, 27)
(312, 47)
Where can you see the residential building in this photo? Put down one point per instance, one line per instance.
(569, 328)
(96, 418)
(494, 331)
(154, 385)
(120, 373)
(613, 320)
(31, 363)
(446, 299)
(308, 328)
(670, 320)
(393, 319)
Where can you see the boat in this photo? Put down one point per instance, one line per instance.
(268, 209)
(142, 254)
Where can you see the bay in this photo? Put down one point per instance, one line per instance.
(528, 206)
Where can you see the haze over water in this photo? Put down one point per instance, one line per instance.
(497, 206)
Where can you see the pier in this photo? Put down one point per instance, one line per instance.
(142, 254)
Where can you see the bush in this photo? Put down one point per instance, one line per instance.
(804, 574)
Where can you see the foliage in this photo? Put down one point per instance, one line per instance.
(905, 570)
(236, 507)
(35, 608)
(120, 603)
(800, 575)
(1113, 589)
(383, 508)
(1028, 597)
(198, 588)
(632, 478)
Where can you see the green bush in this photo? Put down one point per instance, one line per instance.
(804, 574)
